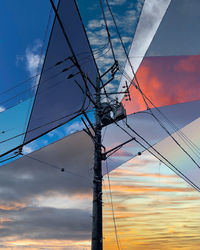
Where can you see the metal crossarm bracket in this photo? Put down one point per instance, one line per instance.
(113, 69)
(87, 118)
(113, 150)
(127, 93)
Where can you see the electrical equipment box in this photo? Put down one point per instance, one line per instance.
(119, 112)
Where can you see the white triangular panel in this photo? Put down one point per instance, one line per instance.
(150, 19)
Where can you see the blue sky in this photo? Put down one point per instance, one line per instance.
(22, 23)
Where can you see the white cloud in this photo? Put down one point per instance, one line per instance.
(2, 109)
(27, 150)
(32, 59)
(98, 37)
(76, 126)
(117, 2)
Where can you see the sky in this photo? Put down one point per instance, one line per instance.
(44, 208)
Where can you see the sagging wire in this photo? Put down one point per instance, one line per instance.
(10, 158)
(138, 85)
(166, 130)
(64, 170)
(173, 167)
(43, 43)
(185, 139)
(29, 131)
(107, 30)
(135, 78)
(44, 81)
(112, 207)
(125, 51)
(169, 164)
(83, 60)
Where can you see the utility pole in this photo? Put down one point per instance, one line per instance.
(97, 230)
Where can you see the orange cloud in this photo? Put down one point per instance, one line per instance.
(12, 206)
(148, 189)
(48, 244)
(127, 172)
(165, 81)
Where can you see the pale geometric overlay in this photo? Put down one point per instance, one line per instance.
(169, 73)
(187, 169)
(74, 153)
(48, 203)
(79, 148)
(178, 33)
(150, 19)
(61, 91)
(165, 81)
(146, 130)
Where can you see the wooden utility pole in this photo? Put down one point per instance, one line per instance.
(97, 231)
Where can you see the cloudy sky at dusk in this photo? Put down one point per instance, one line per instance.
(42, 207)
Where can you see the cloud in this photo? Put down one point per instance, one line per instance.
(126, 21)
(74, 127)
(2, 109)
(40, 202)
(33, 58)
(165, 81)
(150, 19)
(27, 149)
(40, 172)
(47, 223)
(117, 2)
(189, 64)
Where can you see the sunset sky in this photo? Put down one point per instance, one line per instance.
(154, 208)
(42, 207)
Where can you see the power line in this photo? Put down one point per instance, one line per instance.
(43, 44)
(10, 158)
(44, 81)
(151, 146)
(55, 167)
(112, 206)
(173, 167)
(135, 77)
(34, 86)
(29, 131)
(97, 51)
(186, 140)
(193, 147)
(107, 30)
(124, 48)
(138, 85)
(166, 130)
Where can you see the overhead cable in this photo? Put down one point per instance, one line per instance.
(112, 206)
(166, 130)
(64, 170)
(169, 164)
(107, 30)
